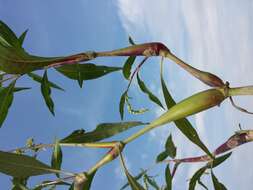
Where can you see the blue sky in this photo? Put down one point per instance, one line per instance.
(210, 35)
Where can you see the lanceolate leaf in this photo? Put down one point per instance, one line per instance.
(131, 40)
(183, 124)
(56, 160)
(151, 182)
(86, 71)
(131, 180)
(144, 89)
(162, 156)
(170, 150)
(202, 184)
(39, 79)
(102, 131)
(6, 98)
(137, 177)
(196, 177)
(170, 147)
(219, 160)
(168, 178)
(127, 66)
(217, 185)
(46, 92)
(22, 166)
(7, 35)
(14, 59)
(22, 37)
(122, 104)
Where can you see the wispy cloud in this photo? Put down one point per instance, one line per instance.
(210, 35)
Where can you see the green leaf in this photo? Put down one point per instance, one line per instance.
(6, 98)
(170, 150)
(170, 147)
(14, 59)
(7, 36)
(17, 89)
(22, 166)
(46, 92)
(56, 159)
(202, 184)
(219, 160)
(151, 96)
(217, 185)
(131, 180)
(86, 71)
(130, 40)
(102, 131)
(137, 177)
(122, 104)
(22, 37)
(168, 178)
(162, 156)
(183, 124)
(127, 66)
(1, 78)
(196, 177)
(151, 182)
(39, 79)
(213, 164)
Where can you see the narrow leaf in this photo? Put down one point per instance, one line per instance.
(130, 40)
(6, 98)
(22, 37)
(219, 160)
(39, 79)
(168, 178)
(151, 182)
(151, 96)
(122, 104)
(131, 180)
(137, 177)
(22, 166)
(56, 159)
(217, 185)
(127, 66)
(183, 124)
(102, 131)
(170, 147)
(196, 177)
(87, 71)
(162, 156)
(46, 92)
(202, 184)
(7, 35)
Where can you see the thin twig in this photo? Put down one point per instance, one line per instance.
(238, 107)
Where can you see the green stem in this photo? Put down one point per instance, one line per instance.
(206, 77)
(239, 91)
(192, 105)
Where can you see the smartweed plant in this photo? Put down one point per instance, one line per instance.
(16, 62)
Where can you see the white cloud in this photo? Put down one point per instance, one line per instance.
(211, 35)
